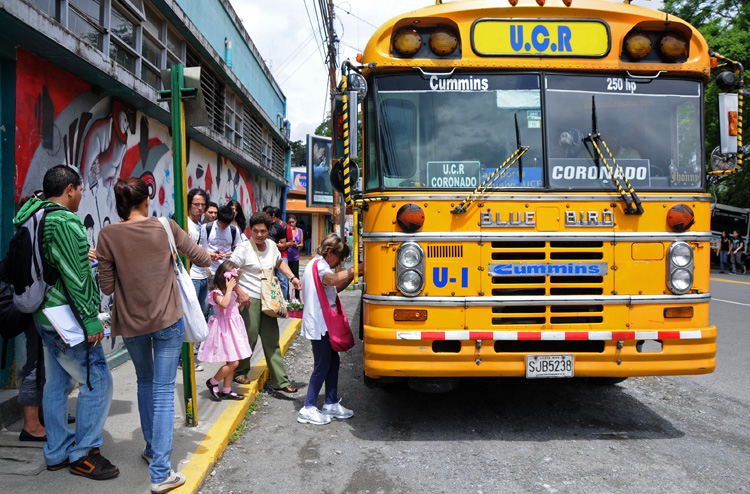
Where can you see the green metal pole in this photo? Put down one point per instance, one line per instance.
(180, 216)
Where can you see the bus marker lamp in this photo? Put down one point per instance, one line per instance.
(443, 41)
(407, 41)
(678, 312)
(409, 315)
(637, 45)
(410, 217)
(680, 217)
(673, 46)
(680, 268)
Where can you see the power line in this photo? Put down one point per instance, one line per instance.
(313, 28)
(356, 17)
(298, 67)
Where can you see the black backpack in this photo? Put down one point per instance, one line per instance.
(27, 268)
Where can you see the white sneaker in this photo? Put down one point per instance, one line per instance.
(312, 416)
(146, 457)
(174, 480)
(336, 410)
(198, 367)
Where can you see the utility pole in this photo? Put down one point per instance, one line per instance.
(338, 211)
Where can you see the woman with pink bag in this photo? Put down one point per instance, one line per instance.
(322, 285)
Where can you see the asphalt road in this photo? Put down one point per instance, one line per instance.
(680, 434)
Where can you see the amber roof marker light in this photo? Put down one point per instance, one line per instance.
(673, 46)
(407, 41)
(443, 41)
(637, 45)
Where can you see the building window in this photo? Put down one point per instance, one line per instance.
(233, 119)
(47, 6)
(85, 20)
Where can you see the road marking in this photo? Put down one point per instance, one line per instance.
(731, 281)
(729, 302)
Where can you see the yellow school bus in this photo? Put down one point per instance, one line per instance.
(534, 196)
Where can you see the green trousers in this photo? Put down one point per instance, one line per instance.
(257, 323)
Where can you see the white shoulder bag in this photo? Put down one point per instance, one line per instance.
(195, 324)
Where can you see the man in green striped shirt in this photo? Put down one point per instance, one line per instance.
(65, 247)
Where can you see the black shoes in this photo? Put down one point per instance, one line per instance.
(25, 436)
(94, 466)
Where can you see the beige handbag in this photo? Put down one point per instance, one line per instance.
(271, 298)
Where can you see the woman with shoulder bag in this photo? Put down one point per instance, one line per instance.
(252, 257)
(315, 328)
(136, 263)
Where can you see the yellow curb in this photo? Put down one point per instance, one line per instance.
(217, 438)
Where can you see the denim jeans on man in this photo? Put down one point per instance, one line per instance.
(154, 357)
(201, 289)
(64, 366)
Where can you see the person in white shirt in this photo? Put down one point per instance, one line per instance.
(326, 367)
(253, 257)
(197, 200)
(219, 238)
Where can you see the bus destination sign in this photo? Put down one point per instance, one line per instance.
(547, 38)
(453, 174)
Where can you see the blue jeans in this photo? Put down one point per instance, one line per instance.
(64, 366)
(283, 280)
(201, 289)
(325, 369)
(154, 356)
(723, 254)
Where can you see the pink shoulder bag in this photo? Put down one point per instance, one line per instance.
(339, 332)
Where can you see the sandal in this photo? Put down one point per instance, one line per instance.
(215, 395)
(242, 380)
(288, 389)
(232, 396)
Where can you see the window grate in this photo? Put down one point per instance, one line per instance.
(445, 251)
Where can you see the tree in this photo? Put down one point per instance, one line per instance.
(299, 153)
(726, 26)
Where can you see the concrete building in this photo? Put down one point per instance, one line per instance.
(78, 85)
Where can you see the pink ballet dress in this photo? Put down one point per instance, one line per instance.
(227, 339)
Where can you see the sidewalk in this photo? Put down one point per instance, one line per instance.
(196, 449)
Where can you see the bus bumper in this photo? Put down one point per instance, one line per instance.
(394, 353)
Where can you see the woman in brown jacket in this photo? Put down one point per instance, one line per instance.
(135, 262)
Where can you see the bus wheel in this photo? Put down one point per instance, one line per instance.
(370, 382)
(605, 381)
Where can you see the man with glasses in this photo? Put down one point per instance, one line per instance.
(197, 200)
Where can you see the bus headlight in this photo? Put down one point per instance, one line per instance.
(680, 268)
(410, 269)
(410, 282)
(410, 255)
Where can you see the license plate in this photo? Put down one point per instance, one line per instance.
(544, 366)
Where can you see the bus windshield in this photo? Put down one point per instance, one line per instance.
(453, 132)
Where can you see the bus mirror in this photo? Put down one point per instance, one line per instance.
(728, 105)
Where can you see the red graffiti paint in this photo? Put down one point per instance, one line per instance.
(190, 182)
(162, 195)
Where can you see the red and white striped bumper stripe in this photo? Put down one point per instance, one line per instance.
(548, 335)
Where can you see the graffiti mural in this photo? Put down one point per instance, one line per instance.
(61, 119)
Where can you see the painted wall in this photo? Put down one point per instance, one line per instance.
(62, 119)
(213, 21)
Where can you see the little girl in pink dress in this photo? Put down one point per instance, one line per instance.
(227, 339)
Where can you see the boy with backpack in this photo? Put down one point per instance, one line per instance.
(219, 238)
(62, 243)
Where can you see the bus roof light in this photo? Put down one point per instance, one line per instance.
(673, 46)
(637, 45)
(407, 41)
(443, 41)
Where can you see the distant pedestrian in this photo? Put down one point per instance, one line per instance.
(227, 339)
(281, 234)
(293, 251)
(725, 245)
(212, 209)
(738, 247)
(197, 200)
(239, 217)
(136, 264)
(65, 247)
(326, 366)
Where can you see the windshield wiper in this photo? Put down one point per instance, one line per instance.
(595, 138)
(505, 166)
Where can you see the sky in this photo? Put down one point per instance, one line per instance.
(286, 34)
